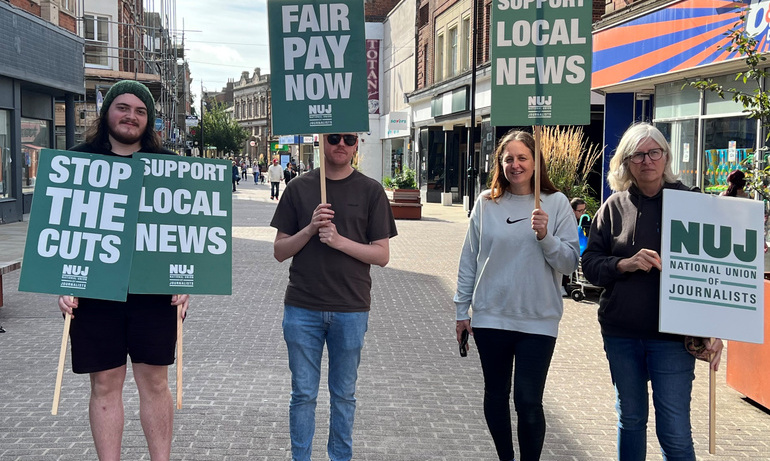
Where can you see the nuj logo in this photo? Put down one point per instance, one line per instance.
(181, 269)
(694, 238)
(315, 109)
(69, 269)
(538, 101)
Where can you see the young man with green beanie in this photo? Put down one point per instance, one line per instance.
(103, 332)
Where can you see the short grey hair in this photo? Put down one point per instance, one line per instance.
(619, 177)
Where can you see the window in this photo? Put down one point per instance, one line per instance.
(68, 5)
(465, 60)
(5, 154)
(424, 17)
(425, 66)
(452, 70)
(96, 33)
(439, 62)
(35, 136)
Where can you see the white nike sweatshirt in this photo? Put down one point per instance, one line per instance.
(509, 279)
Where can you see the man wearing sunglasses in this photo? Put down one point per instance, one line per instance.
(327, 301)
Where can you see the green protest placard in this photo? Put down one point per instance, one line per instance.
(82, 223)
(713, 267)
(541, 62)
(318, 66)
(184, 230)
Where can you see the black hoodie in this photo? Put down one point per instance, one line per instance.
(626, 223)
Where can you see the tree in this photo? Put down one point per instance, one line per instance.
(756, 103)
(220, 131)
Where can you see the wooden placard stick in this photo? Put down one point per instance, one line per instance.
(179, 357)
(712, 406)
(322, 161)
(60, 370)
(537, 166)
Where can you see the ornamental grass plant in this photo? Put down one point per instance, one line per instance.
(570, 158)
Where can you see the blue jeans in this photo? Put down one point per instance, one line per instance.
(305, 332)
(274, 189)
(671, 371)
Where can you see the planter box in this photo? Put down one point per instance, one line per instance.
(405, 203)
(748, 364)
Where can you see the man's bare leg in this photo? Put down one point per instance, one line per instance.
(105, 412)
(156, 408)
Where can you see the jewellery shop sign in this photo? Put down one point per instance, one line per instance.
(713, 267)
(101, 226)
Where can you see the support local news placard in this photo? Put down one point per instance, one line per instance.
(81, 229)
(184, 230)
(541, 62)
(713, 266)
(318, 66)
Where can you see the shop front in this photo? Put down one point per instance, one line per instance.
(50, 72)
(644, 63)
(397, 152)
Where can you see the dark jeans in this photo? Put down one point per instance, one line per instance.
(497, 350)
(274, 189)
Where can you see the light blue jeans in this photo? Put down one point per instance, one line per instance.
(305, 332)
(671, 370)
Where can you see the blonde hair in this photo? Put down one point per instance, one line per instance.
(620, 177)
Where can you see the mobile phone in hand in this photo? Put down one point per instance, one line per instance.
(464, 343)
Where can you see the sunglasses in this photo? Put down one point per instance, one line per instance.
(350, 139)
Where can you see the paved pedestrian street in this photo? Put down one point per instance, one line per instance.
(417, 399)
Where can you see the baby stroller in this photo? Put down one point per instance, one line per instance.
(578, 283)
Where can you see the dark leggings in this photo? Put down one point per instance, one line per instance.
(497, 350)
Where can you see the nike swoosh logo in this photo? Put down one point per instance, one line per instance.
(513, 222)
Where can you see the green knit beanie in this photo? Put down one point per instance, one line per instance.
(138, 90)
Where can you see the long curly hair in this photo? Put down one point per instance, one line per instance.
(98, 135)
(499, 183)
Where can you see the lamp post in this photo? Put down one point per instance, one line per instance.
(203, 145)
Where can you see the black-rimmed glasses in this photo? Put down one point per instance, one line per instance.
(638, 157)
(350, 139)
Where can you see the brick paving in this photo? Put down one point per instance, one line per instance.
(417, 399)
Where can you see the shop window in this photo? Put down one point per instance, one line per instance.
(35, 136)
(727, 142)
(718, 106)
(5, 155)
(682, 136)
(675, 100)
(96, 33)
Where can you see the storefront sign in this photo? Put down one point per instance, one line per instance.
(183, 235)
(713, 266)
(398, 124)
(82, 225)
(318, 63)
(541, 62)
(643, 47)
(373, 75)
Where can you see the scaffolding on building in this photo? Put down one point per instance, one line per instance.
(142, 43)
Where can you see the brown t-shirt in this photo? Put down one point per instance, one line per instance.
(320, 277)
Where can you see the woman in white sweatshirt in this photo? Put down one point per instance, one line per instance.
(510, 278)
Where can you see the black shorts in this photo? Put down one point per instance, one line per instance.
(104, 332)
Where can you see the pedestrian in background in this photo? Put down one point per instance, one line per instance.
(327, 301)
(244, 170)
(143, 327)
(274, 175)
(289, 173)
(623, 256)
(236, 177)
(510, 274)
(736, 181)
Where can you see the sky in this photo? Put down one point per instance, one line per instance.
(221, 40)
